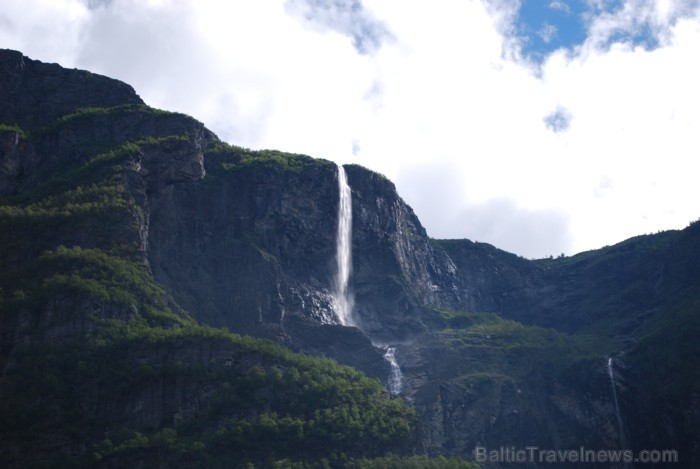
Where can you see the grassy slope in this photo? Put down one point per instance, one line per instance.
(494, 350)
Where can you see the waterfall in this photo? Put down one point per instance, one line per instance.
(395, 377)
(620, 428)
(342, 300)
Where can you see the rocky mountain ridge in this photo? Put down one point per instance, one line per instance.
(495, 349)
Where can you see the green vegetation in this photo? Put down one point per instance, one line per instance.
(233, 158)
(103, 170)
(641, 246)
(374, 174)
(255, 401)
(98, 274)
(81, 114)
(487, 347)
(90, 192)
(87, 199)
(14, 128)
(671, 371)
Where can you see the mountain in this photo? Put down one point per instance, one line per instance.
(168, 298)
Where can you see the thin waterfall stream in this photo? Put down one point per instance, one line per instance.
(395, 377)
(620, 427)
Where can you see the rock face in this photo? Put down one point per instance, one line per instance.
(397, 271)
(257, 245)
(29, 85)
(246, 240)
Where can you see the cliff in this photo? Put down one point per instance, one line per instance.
(130, 236)
(101, 367)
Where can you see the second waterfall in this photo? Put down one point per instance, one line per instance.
(342, 299)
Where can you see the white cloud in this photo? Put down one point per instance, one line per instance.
(500, 220)
(49, 28)
(562, 6)
(627, 105)
(547, 32)
(440, 103)
(650, 19)
(559, 120)
(345, 17)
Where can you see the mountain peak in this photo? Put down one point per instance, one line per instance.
(34, 93)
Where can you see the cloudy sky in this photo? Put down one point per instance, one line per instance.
(542, 127)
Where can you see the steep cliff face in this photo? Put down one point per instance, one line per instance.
(613, 290)
(397, 270)
(252, 248)
(33, 95)
(101, 367)
(118, 220)
(255, 244)
(250, 244)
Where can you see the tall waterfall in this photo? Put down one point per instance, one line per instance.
(620, 428)
(395, 377)
(342, 299)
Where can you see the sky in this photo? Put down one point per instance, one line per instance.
(541, 127)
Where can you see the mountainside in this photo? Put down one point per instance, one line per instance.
(130, 237)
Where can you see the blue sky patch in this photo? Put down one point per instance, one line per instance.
(543, 26)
